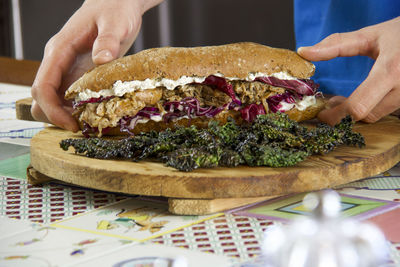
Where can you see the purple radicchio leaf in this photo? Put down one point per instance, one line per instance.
(300, 86)
(274, 101)
(221, 84)
(91, 100)
(250, 112)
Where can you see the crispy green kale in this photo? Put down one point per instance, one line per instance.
(272, 140)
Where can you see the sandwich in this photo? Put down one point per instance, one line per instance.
(162, 88)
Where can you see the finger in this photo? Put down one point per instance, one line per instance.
(370, 92)
(56, 62)
(340, 45)
(37, 112)
(389, 104)
(54, 74)
(334, 101)
(53, 110)
(111, 33)
(326, 114)
(332, 116)
(364, 99)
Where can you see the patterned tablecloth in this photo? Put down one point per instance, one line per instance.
(59, 225)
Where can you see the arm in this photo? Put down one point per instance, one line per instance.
(379, 94)
(98, 32)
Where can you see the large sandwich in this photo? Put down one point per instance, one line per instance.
(163, 87)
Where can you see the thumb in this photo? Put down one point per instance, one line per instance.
(338, 45)
(106, 46)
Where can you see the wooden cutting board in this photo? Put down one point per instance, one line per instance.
(343, 165)
(23, 109)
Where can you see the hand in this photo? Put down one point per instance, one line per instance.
(98, 32)
(379, 94)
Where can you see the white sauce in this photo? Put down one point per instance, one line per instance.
(280, 75)
(300, 105)
(153, 118)
(120, 88)
(159, 118)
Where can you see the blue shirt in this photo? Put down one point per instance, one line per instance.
(316, 19)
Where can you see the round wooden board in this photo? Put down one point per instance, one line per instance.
(343, 165)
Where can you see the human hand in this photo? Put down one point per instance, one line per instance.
(98, 32)
(379, 94)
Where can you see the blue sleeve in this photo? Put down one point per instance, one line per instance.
(316, 19)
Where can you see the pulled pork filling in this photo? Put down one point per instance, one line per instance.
(254, 92)
(191, 100)
(108, 113)
(206, 95)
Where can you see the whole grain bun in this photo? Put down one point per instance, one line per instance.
(232, 60)
(309, 113)
(202, 122)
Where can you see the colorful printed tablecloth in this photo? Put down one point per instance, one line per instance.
(60, 225)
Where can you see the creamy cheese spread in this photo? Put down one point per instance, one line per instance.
(308, 100)
(120, 88)
(159, 118)
(153, 118)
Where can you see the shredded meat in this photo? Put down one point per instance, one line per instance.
(254, 92)
(206, 95)
(108, 113)
(248, 93)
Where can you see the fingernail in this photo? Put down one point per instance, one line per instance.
(104, 54)
(301, 48)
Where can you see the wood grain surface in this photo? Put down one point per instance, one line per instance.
(18, 71)
(154, 179)
(23, 109)
(184, 206)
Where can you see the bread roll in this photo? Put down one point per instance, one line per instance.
(233, 62)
